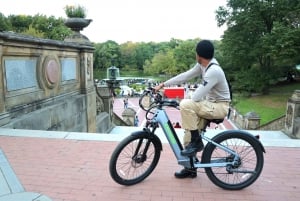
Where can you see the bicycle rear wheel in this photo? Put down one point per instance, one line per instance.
(134, 159)
(250, 162)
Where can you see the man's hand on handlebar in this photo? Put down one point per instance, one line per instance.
(158, 87)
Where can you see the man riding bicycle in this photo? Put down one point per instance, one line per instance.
(209, 101)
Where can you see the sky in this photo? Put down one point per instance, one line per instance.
(132, 20)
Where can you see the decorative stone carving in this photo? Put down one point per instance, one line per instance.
(99, 104)
(292, 120)
(50, 72)
(89, 67)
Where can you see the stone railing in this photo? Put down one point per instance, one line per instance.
(275, 125)
(46, 84)
(250, 121)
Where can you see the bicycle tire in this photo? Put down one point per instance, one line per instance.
(251, 160)
(126, 167)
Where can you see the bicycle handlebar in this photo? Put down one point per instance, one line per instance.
(156, 100)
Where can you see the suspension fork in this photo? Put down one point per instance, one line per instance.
(139, 147)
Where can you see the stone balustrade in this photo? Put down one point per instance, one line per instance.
(46, 84)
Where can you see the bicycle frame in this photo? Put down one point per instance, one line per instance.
(239, 163)
(162, 118)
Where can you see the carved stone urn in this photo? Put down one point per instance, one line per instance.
(77, 24)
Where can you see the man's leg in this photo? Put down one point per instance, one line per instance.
(195, 114)
(187, 133)
(191, 136)
(190, 122)
(186, 138)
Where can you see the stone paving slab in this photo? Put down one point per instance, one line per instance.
(4, 188)
(25, 196)
(9, 182)
(10, 187)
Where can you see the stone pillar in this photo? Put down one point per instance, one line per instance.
(252, 121)
(128, 116)
(87, 87)
(107, 98)
(292, 119)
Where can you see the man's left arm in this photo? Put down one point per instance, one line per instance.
(208, 82)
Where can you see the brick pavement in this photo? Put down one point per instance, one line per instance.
(77, 170)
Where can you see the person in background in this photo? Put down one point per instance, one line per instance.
(209, 101)
(125, 100)
(136, 121)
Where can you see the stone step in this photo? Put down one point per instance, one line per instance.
(9, 183)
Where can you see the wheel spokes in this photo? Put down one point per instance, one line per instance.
(244, 167)
(132, 161)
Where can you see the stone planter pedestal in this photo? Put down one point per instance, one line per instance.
(77, 24)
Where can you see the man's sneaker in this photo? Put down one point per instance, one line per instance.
(193, 147)
(186, 173)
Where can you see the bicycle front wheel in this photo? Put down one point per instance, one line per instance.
(134, 159)
(249, 164)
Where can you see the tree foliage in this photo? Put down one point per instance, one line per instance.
(262, 39)
(106, 55)
(261, 43)
(4, 23)
(162, 63)
(38, 25)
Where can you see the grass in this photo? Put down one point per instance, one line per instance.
(268, 107)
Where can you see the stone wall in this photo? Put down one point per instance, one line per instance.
(46, 84)
(243, 122)
(250, 121)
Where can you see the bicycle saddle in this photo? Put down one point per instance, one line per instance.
(208, 121)
(216, 121)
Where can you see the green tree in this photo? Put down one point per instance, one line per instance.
(33, 32)
(38, 26)
(161, 63)
(51, 27)
(4, 23)
(184, 55)
(106, 54)
(128, 55)
(20, 23)
(260, 34)
(144, 51)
